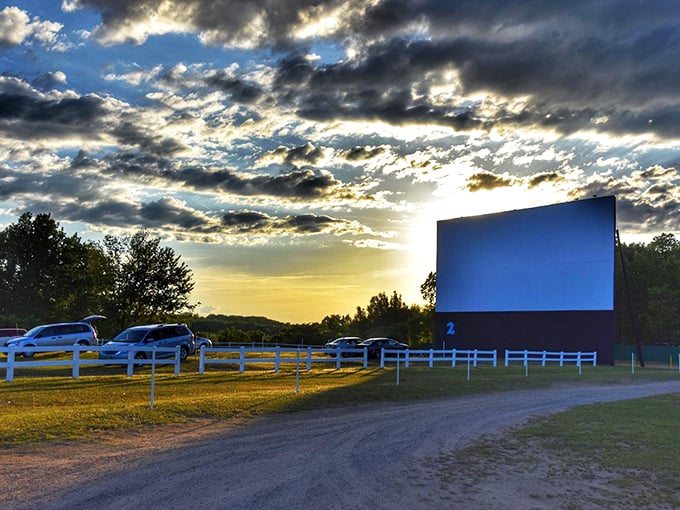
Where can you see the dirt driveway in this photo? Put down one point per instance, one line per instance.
(380, 456)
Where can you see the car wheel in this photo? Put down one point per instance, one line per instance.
(28, 354)
(140, 355)
(183, 353)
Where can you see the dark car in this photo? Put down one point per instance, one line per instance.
(11, 332)
(159, 335)
(375, 345)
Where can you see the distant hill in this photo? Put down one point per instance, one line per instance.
(216, 323)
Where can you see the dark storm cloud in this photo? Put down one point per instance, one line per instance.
(377, 86)
(539, 179)
(60, 185)
(309, 223)
(27, 115)
(487, 181)
(306, 154)
(167, 212)
(240, 91)
(297, 184)
(564, 95)
(176, 218)
(220, 21)
(362, 153)
(573, 63)
(245, 221)
(656, 208)
(261, 223)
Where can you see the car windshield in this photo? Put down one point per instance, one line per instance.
(130, 335)
(33, 332)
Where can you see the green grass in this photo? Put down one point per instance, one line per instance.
(639, 437)
(47, 404)
(634, 441)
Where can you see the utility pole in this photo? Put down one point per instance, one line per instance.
(631, 307)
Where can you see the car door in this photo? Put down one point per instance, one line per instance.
(168, 338)
(50, 336)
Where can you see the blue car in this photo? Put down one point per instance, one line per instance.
(158, 335)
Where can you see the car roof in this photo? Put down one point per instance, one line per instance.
(153, 326)
(60, 324)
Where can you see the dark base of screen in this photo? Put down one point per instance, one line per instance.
(569, 331)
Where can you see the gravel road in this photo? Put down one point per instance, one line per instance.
(356, 457)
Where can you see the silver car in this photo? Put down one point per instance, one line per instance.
(57, 335)
(345, 342)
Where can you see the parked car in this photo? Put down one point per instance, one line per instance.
(345, 342)
(150, 335)
(11, 332)
(375, 345)
(57, 335)
(201, 342)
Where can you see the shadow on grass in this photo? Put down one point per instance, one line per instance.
(46, 399)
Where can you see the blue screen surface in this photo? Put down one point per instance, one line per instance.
(553, 258)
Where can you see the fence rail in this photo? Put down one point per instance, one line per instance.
(545, 357)
(278, 355)
(10, 364)
(298, 356)
(432, 356)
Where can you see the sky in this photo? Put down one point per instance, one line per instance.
(298, 154)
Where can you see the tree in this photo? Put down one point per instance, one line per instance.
(46, 275)
(429, 289)
(654, 287)
(151, 283)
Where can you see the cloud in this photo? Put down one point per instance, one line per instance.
(239, 90)
(487, 181)
(547, 177)
(362, 153)
(262, 223)
(14, 26)
(305, 154)
(28, 114)
(49, 80)
(17, 28)
(569, 74)
(646, 201)
(304, 184)
(234, 23)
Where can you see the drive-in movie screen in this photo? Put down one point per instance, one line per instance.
(539, 278)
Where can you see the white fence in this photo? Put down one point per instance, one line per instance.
(299, 357)
(11, 363)
(432, 356)
(545, 357)
(306, 356)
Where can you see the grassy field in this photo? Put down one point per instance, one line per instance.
(47, 404)
(636, 436)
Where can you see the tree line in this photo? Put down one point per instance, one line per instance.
(647, 297)
(49, 276)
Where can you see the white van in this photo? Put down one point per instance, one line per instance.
(57, 335)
